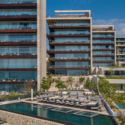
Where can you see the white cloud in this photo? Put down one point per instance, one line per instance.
(119, 25)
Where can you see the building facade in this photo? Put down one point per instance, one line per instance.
(22, 43)
(77, 46)
(70, 41)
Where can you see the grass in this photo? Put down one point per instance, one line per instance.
(115, 77)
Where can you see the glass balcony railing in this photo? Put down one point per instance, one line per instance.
(102, 35)
(117, 40)
(103, 41)
(102, 48)
(86, 41)
(18, 38)
(24, 54)
(17, 79)
(18, 76)
(63, 58)
(69, 66)
(17, 12)
(69, 50)
(103, 53)
(70, 33)
(12, 25)
(17, 66)
(103, 60)
(71, 24)
(120, 43)
(17, 1)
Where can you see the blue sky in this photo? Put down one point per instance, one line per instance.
(104, 12)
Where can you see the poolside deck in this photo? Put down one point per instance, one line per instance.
(104, 112)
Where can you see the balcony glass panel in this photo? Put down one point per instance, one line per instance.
(14, 87)
(61, 40)
(18, 63)
(120, 43)
(103, 47)
(18, 50)
(102, 41)
(16, 25)
(120, 39)
(71, 48)
(18, 76)
(101, 64)
(102, 35)
(72, 56)
(102, 53)
(103, 59)
(18, 12)
(69, 65)
(71, 72)
(70, 32)
(71, 23)
(17, 1)
(18, 38)
(122, 49)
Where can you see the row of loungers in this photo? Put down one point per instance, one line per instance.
(71, 102)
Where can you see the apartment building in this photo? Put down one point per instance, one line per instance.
(22, 43)
(103, 40)
(120, 49)
(76, 46)
(70, 41)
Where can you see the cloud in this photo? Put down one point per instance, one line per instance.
(119, 25)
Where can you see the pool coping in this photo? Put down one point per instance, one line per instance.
(38, 117)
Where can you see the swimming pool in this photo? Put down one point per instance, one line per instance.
(60, 114)
(120, 106)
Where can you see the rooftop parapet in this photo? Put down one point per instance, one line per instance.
(102, 27)
(73, 13)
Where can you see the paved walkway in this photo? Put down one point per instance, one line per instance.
(75, 108)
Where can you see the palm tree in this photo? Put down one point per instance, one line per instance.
(70, 80)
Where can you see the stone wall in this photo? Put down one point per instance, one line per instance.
(17, 119)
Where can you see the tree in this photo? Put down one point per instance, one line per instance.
(91, 85)
(70, 79)
(46, 82)
(81, 79)
(60, 84)
(28, 85)
(110, 72)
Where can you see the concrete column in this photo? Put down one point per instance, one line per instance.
(91, 53)
(31, 94)
(41, 41)
(115, 46)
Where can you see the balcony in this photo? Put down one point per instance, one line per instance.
(51, 35)
(72, 67)
(17, 5)
(18, 18)
(18, 43)
(18, 69)
(26, 30)
(69, 43)
(60, 59)
(103, 43)
(17, 55)
(68, 51)
(103, 49)
(106, 55)
(52, 27)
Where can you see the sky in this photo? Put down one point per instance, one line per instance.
(103, 12)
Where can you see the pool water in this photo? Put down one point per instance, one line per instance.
(120, 106)
(69, 117)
